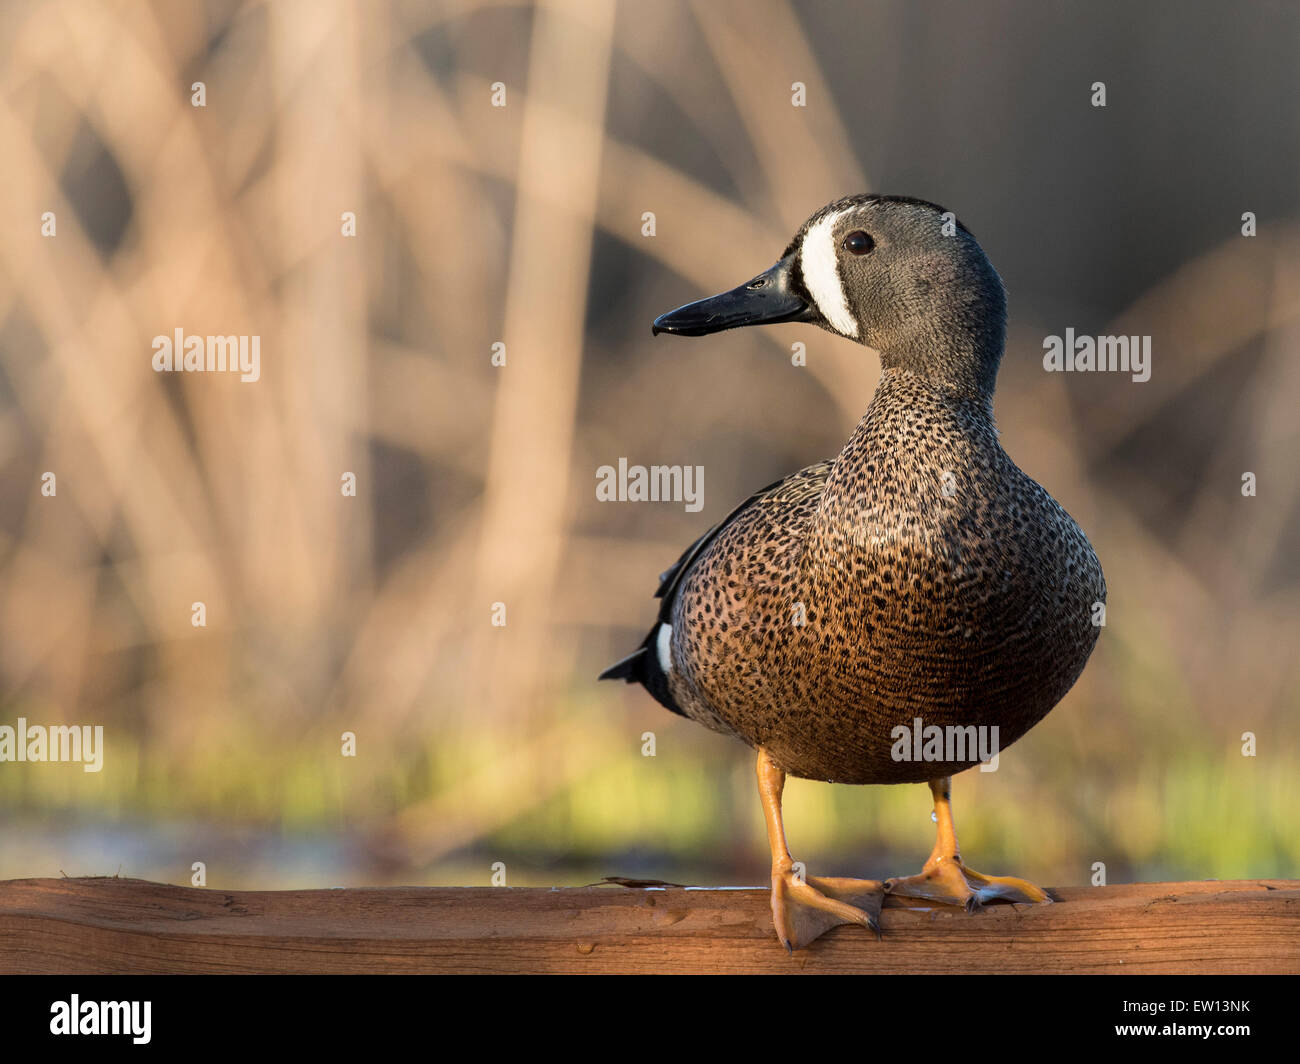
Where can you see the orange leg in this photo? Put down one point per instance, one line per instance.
(805, 908)
(946, 880)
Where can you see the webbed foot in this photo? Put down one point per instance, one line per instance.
(947, 881)
(804, 910)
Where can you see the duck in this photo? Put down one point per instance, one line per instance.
(876, 617)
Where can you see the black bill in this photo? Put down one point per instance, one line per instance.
(769, 297)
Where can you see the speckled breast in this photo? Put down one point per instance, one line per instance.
(897, 623)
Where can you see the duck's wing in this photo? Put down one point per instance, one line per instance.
(643, 665)
(814, 477)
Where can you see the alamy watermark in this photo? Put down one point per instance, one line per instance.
(75, 1016)
(656, 483)
(953, 744)
(208, 354)
(58, 742)
(1098, 354)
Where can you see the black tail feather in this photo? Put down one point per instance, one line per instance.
(628, 669)
(642, 666)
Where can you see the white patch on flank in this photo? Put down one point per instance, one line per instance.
(663, 647)
(819, 260)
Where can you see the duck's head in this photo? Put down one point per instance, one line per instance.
(897, 274)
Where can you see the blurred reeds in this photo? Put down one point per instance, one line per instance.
(522, 225)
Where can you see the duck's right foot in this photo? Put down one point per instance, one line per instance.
(804, 910)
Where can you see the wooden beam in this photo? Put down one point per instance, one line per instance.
(118, 926)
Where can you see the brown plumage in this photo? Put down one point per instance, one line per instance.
(973, 607)
(921, 573)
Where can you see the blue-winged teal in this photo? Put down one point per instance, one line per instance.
(918, 581)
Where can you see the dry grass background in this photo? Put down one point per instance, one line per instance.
(523, 225)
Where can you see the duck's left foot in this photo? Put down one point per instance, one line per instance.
(947, 881)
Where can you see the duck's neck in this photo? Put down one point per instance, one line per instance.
(915, 454)
(962, 360)
(958, 342)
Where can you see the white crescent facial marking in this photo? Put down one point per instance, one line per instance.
(663, 647)
(819, 261)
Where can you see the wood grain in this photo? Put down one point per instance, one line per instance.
(114, 926)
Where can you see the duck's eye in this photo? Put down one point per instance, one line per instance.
(858, 242)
